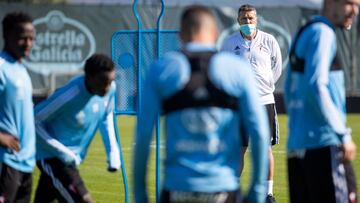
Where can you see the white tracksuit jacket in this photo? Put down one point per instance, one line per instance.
(264, 55)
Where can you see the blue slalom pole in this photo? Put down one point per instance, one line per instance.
(158, 176)
(139, 58)
(123, 171)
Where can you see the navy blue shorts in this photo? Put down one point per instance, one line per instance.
(273, 124)
(15, 186)
(60, 182)
(320, 175)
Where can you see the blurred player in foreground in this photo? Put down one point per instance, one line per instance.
(204, 96)
(320, 147)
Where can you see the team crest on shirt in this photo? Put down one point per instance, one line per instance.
(95, 108)
(20, 90)
(80, 118)
(264, 49)
(2, 61)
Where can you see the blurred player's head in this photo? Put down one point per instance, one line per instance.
(198, 24)
(99, 73)
(18, 34)
(341, 12)
(247, 19)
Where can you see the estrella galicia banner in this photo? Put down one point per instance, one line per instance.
(62, 44)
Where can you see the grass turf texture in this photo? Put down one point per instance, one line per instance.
(107, 187)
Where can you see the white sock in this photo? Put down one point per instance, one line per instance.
(270, 187)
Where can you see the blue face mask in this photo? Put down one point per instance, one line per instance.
(247, 29)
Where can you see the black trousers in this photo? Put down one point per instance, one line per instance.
(321, 175)
(15, 186)
(58, 181)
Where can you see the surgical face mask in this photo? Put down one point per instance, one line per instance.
(247, 29)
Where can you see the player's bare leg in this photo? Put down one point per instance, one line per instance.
(270, 198)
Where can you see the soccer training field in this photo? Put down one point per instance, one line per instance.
(108, 188)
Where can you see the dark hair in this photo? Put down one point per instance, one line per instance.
(98, 63)
(246, 8)
(191, 19)
(13, 19)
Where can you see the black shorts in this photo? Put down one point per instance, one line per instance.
(15, 186)
(200, 197)
(273, 124)
(320, 175)
(58, 181)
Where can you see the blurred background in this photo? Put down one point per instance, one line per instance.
(68, 31)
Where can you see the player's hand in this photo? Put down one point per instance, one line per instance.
(9, 141)
(114, 162)
(349, 149)
(70, 159)
(111, 169)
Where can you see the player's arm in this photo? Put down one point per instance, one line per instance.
(45, 112)
(276, 60)
(318, 60)
(107, 130)
(144, 128)
(253, 114)
(55, 147)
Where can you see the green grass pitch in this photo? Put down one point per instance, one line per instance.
(107, 187)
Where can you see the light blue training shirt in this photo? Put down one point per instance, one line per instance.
(203, 145)
(67, 121)
(16, 113)
(315, 99)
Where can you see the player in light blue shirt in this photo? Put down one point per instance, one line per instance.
(66, 123)
(319, 143)
(17, 132)
(206, 97)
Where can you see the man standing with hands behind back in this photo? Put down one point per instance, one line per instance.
(263, 52)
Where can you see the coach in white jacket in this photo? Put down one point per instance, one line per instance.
(264, 55)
